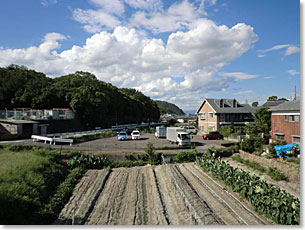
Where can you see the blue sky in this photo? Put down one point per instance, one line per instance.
(178, 51)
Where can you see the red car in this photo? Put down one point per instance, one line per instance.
(212, 136)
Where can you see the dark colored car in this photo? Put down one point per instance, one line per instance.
(212, 136)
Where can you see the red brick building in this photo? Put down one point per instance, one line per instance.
(285, 122)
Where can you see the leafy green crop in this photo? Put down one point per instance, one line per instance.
(265, 198)
(88, 162)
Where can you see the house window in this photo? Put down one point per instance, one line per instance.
(211, 127)
(211, 115)
(293, 118)
(296, 139)
(280, 137)
(202, 116)
(202, 128)
(286, 118)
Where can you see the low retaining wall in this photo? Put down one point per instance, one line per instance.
(289, 170)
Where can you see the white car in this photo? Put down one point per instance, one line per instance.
(135, 135)
(189, 129)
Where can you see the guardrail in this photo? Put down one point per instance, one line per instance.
(51, 140)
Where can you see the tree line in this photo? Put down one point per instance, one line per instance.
(94, 102)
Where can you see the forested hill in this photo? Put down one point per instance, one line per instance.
(166, 107)
(94, 102)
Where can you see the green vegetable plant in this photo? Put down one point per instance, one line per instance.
(265, 198)
(88, 161)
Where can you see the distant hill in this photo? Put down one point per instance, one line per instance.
(166, 107)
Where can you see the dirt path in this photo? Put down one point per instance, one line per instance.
(176, 194)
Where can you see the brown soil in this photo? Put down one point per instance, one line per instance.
(175, 194)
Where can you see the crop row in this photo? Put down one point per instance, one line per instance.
(265, 198)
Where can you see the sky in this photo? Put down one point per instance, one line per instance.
(176, 51)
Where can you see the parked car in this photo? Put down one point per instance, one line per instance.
(189, 129)
(212, 136)
(135, 135)
(122, 135)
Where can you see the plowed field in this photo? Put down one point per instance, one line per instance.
(175, 194)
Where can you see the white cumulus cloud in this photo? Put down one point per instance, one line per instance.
(127, 58)
(177, 16)
(95, 20)
(145, 4)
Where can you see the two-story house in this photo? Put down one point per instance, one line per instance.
(216, 113)
(285, 121)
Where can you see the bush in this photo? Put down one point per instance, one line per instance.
(153, 157)
(252, 144)
(51, 210)
(143, 157)
(271, 149)
(226, 131)
(275, 174)
(223, 152)
(149, 130)
(185, 157)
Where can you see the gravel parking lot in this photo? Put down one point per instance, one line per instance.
(111, 143)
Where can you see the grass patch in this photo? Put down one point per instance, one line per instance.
(252, 164)
(294, 160)
(275, 174)
(28, 177)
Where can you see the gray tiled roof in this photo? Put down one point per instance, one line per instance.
(225, 105)
(287, 106)
(272, 103)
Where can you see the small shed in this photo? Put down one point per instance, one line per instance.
(12, 129)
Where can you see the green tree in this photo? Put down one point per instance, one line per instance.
(272, 98)
(255, 104)
(262, 119)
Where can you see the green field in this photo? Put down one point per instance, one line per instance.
(28, 178)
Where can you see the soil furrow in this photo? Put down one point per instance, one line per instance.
(216, 203)
(102, 213)
(162, 218)
(243, 209)
(75, 210)
(174, 194)
(201, 210)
